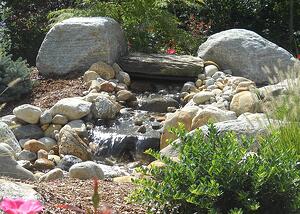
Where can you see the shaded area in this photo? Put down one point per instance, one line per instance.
(120, 138)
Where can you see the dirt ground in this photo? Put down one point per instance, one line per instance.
(46, 92)
(78, 193)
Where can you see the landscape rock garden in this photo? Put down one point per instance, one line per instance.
(133, 99)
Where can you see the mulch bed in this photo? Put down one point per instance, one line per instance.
(46, 92)
(78, 193)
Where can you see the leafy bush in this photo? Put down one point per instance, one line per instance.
(14, 77)
(27, 23)
(147, 23)
(190, 16)
(217, 173)
(5, 43)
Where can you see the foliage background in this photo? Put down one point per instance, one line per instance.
(27, 24)
(154, 25)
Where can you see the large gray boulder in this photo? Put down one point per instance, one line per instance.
(76, 43)
(247, 124)
(281, 88)
(8, 137)
(10, 167)
(158, 103)
(246, 54)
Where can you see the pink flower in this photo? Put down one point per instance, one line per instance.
(298, 56)
(171, 51)
(20, 206)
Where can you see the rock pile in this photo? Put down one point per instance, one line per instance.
(53, 143)
(218, 96)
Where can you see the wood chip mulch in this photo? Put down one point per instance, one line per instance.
(47, 91)
(78, 193)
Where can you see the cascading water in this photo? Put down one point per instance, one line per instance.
(125, 139)
(120, 138)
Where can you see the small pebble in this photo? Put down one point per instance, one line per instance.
(138, 122)
(42, 154)
(156, 125)
(218, 74)
(209, 82)
(210, 70)
(84, 93)
(188, 87)
(201, 77)
(171, 109)
(212, 87)
(142, 129)
(163, 92)
(199, 83)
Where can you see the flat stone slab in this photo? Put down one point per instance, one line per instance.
(162, 66)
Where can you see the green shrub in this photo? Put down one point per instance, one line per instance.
(14, 80)
(148, 25)
(27, 23)
(190, 16)
(217, 173)
(14, 77)
(5, 43)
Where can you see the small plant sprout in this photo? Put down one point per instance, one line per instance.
(95, 201)
(96, 197)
